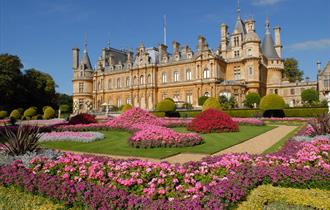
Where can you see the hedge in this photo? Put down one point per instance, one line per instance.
(289, 112)
(316, 198)
(12, 198)
(3, 114)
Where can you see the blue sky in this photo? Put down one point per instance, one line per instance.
(43, 32)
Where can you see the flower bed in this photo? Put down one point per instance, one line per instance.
(72, 136)
(157, 136)
(248, 121)
(213, 120)
(214, 182)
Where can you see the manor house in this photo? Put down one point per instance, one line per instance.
(241, 64)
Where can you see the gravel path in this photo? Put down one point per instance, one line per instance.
(256, 145)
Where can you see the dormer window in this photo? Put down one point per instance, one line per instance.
(236, 41)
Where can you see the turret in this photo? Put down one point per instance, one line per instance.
(268, 48)
(278, 46)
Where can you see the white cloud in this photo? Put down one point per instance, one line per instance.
(311, 45)
(265, 2)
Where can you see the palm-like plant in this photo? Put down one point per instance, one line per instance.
(25, 139)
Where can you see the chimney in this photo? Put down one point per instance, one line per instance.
(75, 58)
(278, 46)
(176, 47)
(104, 52)
(201, 43)
(250, 25)
(162, 52)
(129, 56)
(318, 63)
(224, 32)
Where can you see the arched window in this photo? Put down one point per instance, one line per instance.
(206, 73)
(118, 102)
(149, 80)
(141, 80)
(176, 76)
(128, 82)
(118, 83)
(188, 74)
(135, 82)
(109, 84)
(207, 94)
(164, 77)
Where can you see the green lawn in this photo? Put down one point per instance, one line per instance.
(116, 143)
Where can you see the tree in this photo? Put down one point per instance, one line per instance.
(10, 80)
(309, 96)
(227, 103)
(251, 99)
(291, 70)
(42, 88)
(64, 99)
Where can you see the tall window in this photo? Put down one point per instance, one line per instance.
(118, 83)
(236, 53)
(206, 73)
(109, 84)
(81, 87)
(135, 82)
(237, 74)
(99, 85)
(102, 84)
(118, 102)
(326, 82)
(128, 82)
(176, 76)
(164, 77)
(236, 41)
(149, 80)
(189, 98)
(128, 100)
(141, 80)
(292, 91)
(188, 74)
(250, 70)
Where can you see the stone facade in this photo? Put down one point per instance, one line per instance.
(241, 64)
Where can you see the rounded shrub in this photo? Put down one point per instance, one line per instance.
(213, 120)
(83, 118)
(201, 100)
(3, 114)
(272, 102)
(171, 99)
(126, 107)
(44, 108)
(21, 111)
(49, 113)
(15, 114)
(166, 105)
(30, 112)
(310, 96)
(211, 103)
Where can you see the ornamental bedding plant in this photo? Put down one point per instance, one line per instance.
(215, 182)
(72, 136)
(212, 120)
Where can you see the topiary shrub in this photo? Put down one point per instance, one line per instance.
(3, 114)
(171, 99)
(49, 113)
(272, 102)
(83, 118)
(21, 111)
(44, 108)
(166, 105)
(126, 107)
(201, 100)
(213, 120)
(30, 112)
(211, 103)
(272, 105)
(15, 114)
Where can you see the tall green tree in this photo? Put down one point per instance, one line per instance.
(291, 70)
(10, 80)
(251, 99)
(64, 99)
(309, 96)
(42, 88)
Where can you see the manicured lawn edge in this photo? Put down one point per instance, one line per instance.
(278, 145)
(121, 148)
(266, 194)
